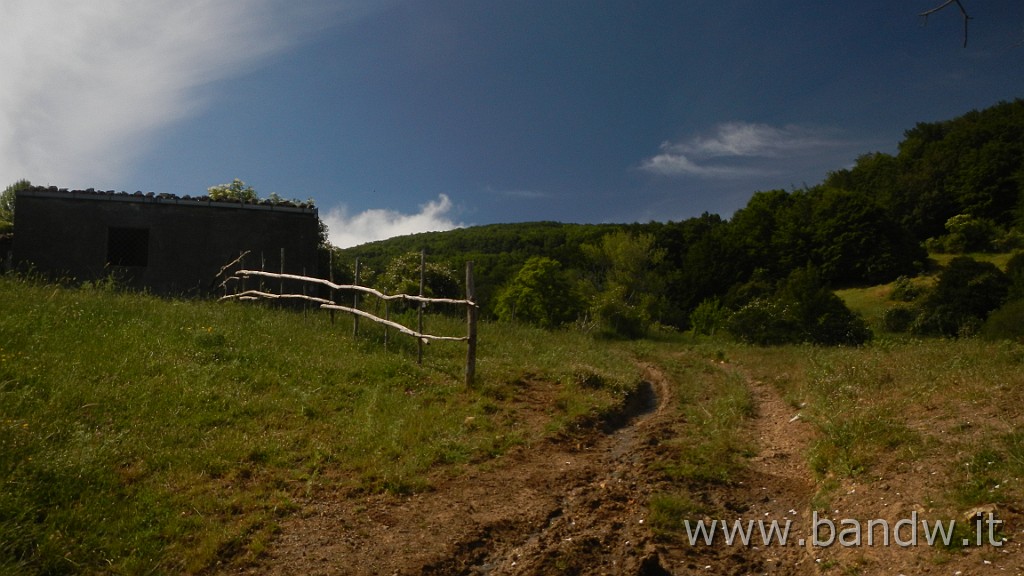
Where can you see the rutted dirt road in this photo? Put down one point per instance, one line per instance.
(576, 504)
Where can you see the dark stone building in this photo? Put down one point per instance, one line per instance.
(167, 244)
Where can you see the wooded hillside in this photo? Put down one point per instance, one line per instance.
(953, 186)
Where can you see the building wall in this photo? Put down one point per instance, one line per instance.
(6, 244)
(167, 244)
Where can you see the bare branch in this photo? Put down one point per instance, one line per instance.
(355, 287)
(256, 294)
(232, 263)
(946, 4)
(395, 325)
(927, 13)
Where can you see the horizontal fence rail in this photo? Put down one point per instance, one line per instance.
(353, 287)
(239, 276)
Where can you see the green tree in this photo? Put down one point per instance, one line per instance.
(966, 292)
(624, 276)
(822, 316)
(969, 234)
(699, 261)
(540, 293)
(855, 240)
(628, 260)
(755, 228)
(925, 162)
(7, 204)
(402, 276)
(968, 165)
(875, 175)
(236, 191)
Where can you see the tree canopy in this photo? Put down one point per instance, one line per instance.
(540, 293)
(953, 186)
(7, 204)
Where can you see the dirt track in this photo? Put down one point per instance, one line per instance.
(579, 504)
(576, 504)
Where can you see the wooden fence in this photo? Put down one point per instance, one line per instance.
(237, 280)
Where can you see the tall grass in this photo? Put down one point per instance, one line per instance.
(139, 434)
(715, 402)
(948, 406)
(711, 446)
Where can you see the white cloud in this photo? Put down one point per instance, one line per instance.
(85, 83)
(345, 231)
(675, 162)
(737, 149)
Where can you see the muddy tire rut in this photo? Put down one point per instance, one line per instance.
(576, 504)
(595, 517)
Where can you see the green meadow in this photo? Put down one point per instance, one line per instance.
(140, 434)
(146, 435)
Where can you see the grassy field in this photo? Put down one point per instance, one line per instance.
(139, 434)
(143, 435)
(905, 401)
(934, 427)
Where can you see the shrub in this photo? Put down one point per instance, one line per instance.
(1015, 273)
(803, 309)
(898, 318)
(764, 321)
(1012, 240)
(970, 234)
(1006, 323)
(840, 327)
(821, 314)
(904, 290)
(708, 317)
(617, 317)
(936, 245)
(967, 290)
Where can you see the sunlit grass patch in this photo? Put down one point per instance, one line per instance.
(949, 407)
(140, 434)
(714, 402)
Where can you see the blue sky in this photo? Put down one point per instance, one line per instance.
(400, 116)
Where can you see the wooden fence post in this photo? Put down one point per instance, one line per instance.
(241, 266)
(330, 273)
(355, 303)
(419, 307)
(263, 268)
(471, 313)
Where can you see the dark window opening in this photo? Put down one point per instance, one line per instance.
(128, 247)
